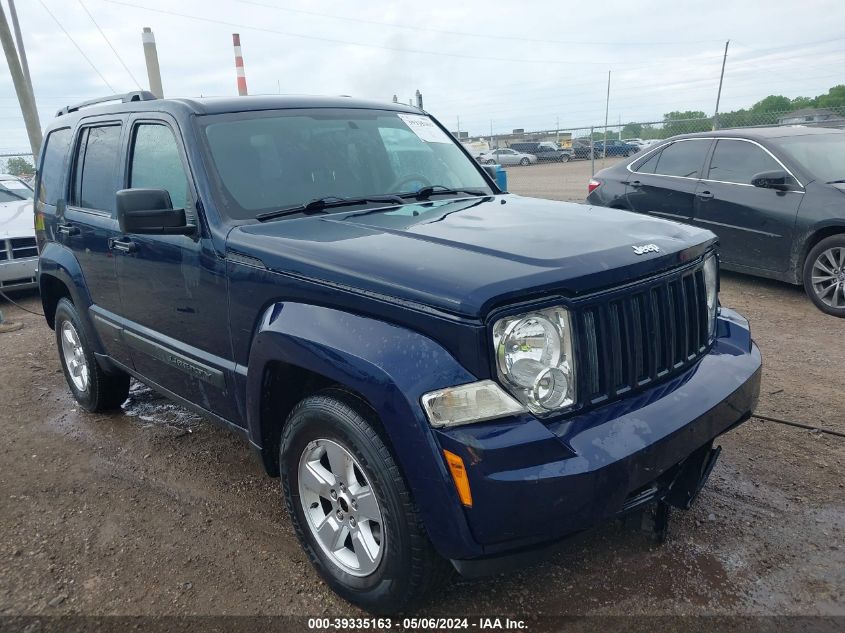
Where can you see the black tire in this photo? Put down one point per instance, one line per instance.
(525, 162)
(409, 567)
(104, 391)
(564, 158)
(837, 244)
(489, 161)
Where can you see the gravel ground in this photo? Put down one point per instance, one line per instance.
(155, 511)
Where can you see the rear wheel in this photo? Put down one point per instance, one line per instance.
(525, 162)
(564, 158)
(824, 275)
(351, 509)
(94, 389)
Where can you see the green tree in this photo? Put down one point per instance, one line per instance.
(18, 166)
(684, 122)
(632, 130)
(772, 103)
(803, 102)
(835, 98)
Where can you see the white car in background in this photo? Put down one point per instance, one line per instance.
(18, 252)
(506, 156)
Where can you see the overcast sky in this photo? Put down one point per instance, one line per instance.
(522, 63)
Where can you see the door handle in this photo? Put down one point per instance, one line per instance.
(704, 195)
(122, 245)
(68, 229)
(634, 183)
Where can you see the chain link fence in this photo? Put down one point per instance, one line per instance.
(558, 163)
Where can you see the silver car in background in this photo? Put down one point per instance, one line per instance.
(506, 156)
(18, 252)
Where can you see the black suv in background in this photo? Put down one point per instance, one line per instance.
(774, 196)
(543, 150)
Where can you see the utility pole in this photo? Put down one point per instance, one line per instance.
(719, 94)
(22, 89)
(459, 128)
(419, 100)
(151, 57)
(13, 14)
(557, 130)
(606, 113)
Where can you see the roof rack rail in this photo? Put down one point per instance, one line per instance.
(137, 95)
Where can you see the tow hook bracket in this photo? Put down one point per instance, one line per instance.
(661, 521)
(694, 473)
(691, 476)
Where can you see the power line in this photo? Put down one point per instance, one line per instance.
(73, 41)
(419, 27)
(397, 49)
(116, 54)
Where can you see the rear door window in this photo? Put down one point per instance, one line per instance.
(98, 156)
(739, 161)
(647, 166)
(682, 158)
(53, 165)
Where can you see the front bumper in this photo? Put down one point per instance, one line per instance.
(535, 482)
(19, 274)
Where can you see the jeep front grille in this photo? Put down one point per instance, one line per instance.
(631, 339)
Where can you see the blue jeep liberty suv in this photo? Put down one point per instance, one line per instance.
(444, 375)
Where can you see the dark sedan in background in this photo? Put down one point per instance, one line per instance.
(615, 148)
(774, 196)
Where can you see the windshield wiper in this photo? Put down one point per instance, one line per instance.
(426, 192)
(836, 182)
(319, 205)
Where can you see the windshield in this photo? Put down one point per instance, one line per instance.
(278, 159)
(14, 191)
(821, 155)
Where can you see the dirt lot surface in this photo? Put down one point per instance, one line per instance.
(155, 511)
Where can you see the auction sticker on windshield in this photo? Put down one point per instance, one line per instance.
(425, 128)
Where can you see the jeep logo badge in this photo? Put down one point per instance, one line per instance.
(646, 248)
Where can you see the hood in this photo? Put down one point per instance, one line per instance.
(16, 219)
(467, 256)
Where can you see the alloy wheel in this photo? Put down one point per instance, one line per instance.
(340, 507)
(74, 357)
(828, 277)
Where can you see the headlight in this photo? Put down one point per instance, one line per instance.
(711, 284)
(534, 359)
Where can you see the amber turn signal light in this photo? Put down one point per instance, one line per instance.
(459, 476)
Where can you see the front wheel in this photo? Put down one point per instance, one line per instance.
(350, 506)
(564, 158)
(824, 275)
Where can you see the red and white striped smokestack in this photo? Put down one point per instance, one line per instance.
(239, 65)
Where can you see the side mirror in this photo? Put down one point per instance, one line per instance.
(776, 179)
(150, 212)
